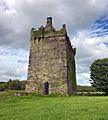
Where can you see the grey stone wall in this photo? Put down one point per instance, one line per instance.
(51, 60)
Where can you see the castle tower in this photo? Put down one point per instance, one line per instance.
(51, 61)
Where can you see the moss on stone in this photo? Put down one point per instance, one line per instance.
(71, 69)
(40, 33)
(37, 33)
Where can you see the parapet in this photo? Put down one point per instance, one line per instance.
(48, 30)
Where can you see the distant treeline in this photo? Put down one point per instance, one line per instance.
(20, 85)
(86, 89)
(12, 85)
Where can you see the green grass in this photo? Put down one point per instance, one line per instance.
(53, 108)
(6, 95)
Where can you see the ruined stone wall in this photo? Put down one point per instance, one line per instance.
(71, 70)
(48, 63)
(51, 60)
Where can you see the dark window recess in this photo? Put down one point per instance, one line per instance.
(39, 38)
(35, 39)
(46, 88)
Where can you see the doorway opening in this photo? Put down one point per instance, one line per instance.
(46, 88)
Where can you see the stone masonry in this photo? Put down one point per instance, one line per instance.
(51, 67)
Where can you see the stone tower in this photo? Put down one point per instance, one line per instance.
(51, 61)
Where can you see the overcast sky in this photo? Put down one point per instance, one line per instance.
(87, 26)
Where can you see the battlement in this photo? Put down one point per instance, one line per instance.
(48, 30)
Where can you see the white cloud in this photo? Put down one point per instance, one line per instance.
(88, 50)
(13, 64)
(17, 17)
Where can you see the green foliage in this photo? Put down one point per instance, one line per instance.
(12, 85)
(40, 32)
(92, 94)
(2, 86)
(54, 108)
(99, 74)
(2, 82)
(85, 89)
(71, 70)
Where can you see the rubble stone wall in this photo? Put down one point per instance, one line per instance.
(51, 60)
(48, 63)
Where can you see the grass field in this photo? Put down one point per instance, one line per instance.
(53, 108)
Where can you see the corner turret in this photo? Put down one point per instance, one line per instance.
(49, 22)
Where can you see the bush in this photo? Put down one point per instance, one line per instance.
(92, 94)
(12, 85)
(85, 89)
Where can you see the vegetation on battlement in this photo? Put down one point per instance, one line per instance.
(42, 33)
(48, 30)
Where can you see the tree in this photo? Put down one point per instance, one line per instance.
(12, 85)
(2, 87)
(9, 85)
(23, 84)
(99, 74)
